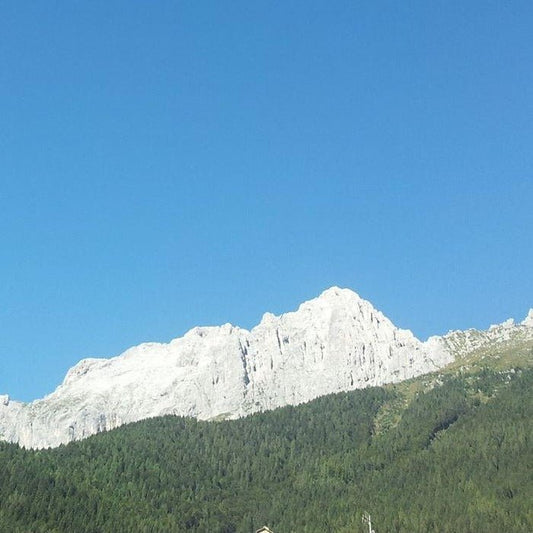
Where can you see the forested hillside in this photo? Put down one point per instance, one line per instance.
(446, 453)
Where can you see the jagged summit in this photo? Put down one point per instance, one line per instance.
(334, 297)
(528, 321)
(335, 342)
(334, 293)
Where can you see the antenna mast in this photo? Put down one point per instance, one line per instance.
(367, 519)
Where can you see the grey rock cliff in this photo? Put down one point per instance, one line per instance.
(336, 342)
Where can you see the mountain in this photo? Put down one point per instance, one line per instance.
(448, 451)
(336, 342)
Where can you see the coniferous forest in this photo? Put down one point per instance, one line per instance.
(449, 453)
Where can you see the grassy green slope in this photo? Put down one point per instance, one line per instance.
(452, 451)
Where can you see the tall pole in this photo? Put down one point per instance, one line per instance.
(367, 518)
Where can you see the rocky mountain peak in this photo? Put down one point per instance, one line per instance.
(528, 321)
(335, 342)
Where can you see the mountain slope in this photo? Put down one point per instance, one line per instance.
(336, 342)
(455, 456)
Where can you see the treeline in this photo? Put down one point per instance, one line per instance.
(456, 458)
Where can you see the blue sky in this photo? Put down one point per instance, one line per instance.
(171, 164)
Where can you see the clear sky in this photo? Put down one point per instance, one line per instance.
(178, 163)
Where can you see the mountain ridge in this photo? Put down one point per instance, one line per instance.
(335, 342)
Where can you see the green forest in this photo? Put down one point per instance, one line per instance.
(450, 452)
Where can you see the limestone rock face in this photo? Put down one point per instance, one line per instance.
(336, 342)
(460, 343)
